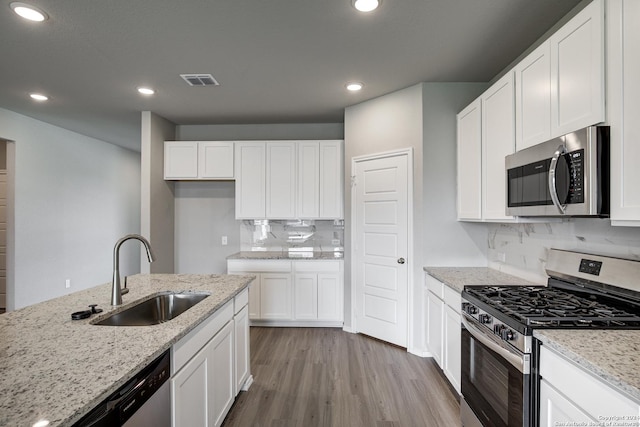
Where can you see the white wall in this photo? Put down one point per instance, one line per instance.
(421, 117)
(446, 242)
(74, 197)
(157, 200)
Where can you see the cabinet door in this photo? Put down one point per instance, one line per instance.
(180, 160)
(241, 341)
(623, 91)
(469, 139)
(330, 297)
(577, 71)
(331, 180)
(435, 311)
(308, 179)
(215, 159)
(533, 98)
(453, 347)
(281, 180)
(250, 180)
(306, 296)
(498, 141)
(275, 296)
(189, 392)
(220, 378)
(254, 297)
(555, 409)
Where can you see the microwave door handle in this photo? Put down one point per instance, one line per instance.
(552, 179)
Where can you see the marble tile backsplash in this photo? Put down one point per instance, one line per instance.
(277, 235)
(522, 248)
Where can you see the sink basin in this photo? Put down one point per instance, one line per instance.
(159, 309)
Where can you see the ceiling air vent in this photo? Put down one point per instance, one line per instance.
(200, 79)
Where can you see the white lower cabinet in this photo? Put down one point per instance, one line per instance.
(443, 330)
(210, 365)
(571, 395)
(293, 293)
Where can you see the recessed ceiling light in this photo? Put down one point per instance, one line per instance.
(28, 12)
(146, 90)
(42, 423)
(366, 5)
(354, 86)
(39, 96)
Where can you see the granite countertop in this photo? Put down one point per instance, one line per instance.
(302, 255)
(459, 277)
(58, 369)
(611, 355)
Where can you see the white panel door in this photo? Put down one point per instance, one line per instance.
(329, 297)
(331, 180)
(306, 296)
(381, 227)
(180, 159)
(275, 296)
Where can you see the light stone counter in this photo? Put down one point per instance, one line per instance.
(55, 368)
(611, 355)
(322, 256)
(459, 277)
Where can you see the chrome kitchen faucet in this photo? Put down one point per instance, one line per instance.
(116, 292)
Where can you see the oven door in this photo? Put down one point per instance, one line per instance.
(495, 379)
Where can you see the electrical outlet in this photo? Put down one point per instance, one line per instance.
(224, 240)
(67, 283)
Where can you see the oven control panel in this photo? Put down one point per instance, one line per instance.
(492, 325)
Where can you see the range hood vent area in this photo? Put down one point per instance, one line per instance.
(200, 79)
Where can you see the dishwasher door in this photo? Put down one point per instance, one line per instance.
(154, 412)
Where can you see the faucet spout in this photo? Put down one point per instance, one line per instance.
(116, 292)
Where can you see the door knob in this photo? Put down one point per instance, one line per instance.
(400, 260)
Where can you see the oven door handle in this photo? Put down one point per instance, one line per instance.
(552, 179)
(515, 358)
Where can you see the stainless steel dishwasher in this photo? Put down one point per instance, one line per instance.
(145, 400)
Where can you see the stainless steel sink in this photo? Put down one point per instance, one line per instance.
(159, 309)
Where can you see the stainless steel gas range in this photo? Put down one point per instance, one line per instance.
(499, 353)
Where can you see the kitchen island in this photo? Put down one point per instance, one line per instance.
(58, 369)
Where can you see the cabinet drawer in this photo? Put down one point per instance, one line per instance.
(434, 285)
(240, 300)
(190, 344)
(585, 390)
(316, 266)
(453, 299)
(259, 266)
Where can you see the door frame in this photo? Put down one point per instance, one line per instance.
(408, 152)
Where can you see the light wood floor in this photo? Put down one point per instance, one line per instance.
(326, 377)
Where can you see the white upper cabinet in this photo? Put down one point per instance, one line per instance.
(198, 160)
(486, 134)
(498, 141)
(300, 179)
(215, 160)
(331, 180)
(533, 98)
(308, 179)
(623, 104)
(250, 179)
(180, 160)
(469, 140)
(281, 180)
(577, 71)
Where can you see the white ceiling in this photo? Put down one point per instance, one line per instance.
(278, 61)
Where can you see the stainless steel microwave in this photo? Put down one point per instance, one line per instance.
(565, 176)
